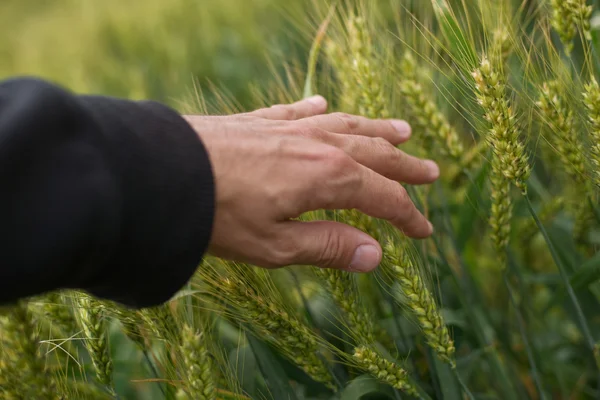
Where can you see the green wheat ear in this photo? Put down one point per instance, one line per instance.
(58, 310)
(427, 118)
(371, 101)
(383, 370)
(91, 316)
(559, 117)
(247, 301)
(401, 266)
(591, 98)
(23, 373)
(342, 67)
(565, 141)
(503, 135)
(567, 17)
(509, 159)
(198, 365)
(342, 287)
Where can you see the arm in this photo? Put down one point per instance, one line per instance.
(110, 196)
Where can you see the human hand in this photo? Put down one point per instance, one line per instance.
(274, 164)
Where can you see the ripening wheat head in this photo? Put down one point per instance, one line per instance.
(240, 289)
(559, 117)
(343, 289)
(198, 365)
(92, 320)
(366, 75)
(567, 17)
(23, 373)
(382, 369)
(426, 117)
(418, 299)
(592, 102)
(509, 159)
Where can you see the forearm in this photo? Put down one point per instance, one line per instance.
(106, 195)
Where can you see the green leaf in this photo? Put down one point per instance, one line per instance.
(272, 372)
(366, 387)
(448, 384)
(242, 361)
(467, 215)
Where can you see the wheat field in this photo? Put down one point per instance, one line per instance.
(503, 302)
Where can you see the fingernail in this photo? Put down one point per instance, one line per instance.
(366, 258)
(317, 101)
(434, 170)
(431, 228)
(403, 128)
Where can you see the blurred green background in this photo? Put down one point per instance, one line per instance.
(151, 48)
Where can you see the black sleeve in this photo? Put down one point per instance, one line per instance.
(110, 196)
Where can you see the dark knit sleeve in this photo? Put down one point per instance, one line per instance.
(110, 196)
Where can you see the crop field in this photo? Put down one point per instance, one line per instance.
(502, 302)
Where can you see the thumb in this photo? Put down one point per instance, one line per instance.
(328, 244)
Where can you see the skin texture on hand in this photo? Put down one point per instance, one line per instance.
(274, 164)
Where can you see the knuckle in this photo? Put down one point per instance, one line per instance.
(350, 121)
(286, 112)
(403, 197)
(384, 148)
(381, 143)
(331, 252)
(405, 212)
(308, 131)
(282, 257)
(282, 250)
(338, 163)
(285, 145)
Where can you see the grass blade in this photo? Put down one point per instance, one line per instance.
(582, 322)
(271, 370)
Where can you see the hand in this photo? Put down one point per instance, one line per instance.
(274, 164)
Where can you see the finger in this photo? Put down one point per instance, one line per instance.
(345, 184)
(302, 109)
(382, 157)
(328, 244)
(394, 131)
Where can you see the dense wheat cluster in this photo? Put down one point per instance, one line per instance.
(503, 302)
